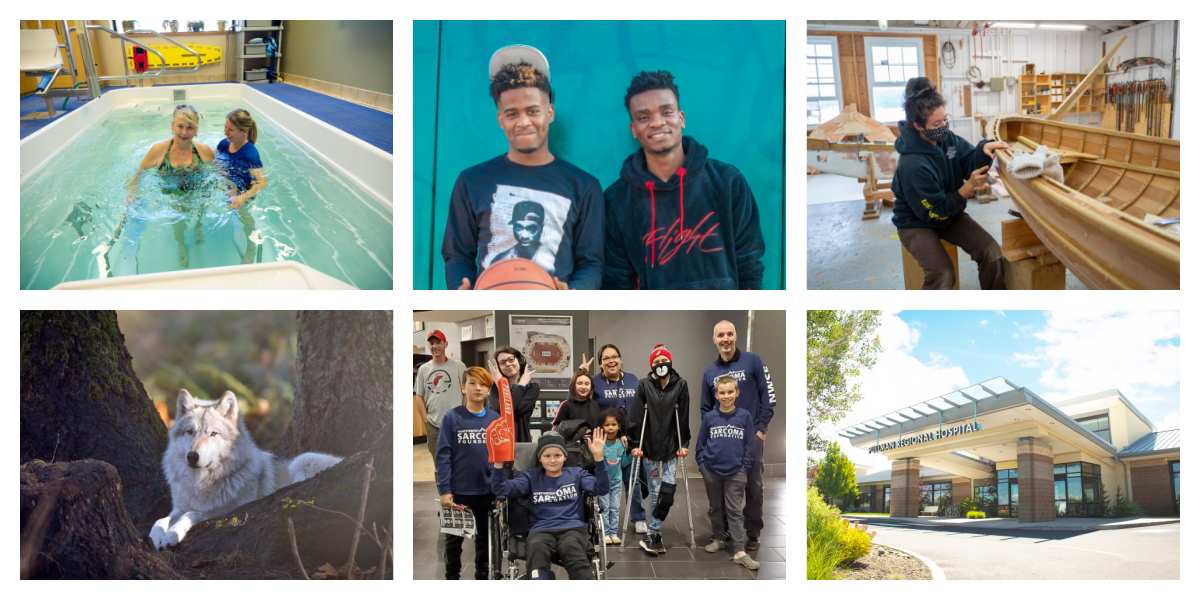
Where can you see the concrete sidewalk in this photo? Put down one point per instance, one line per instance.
(1065, 524)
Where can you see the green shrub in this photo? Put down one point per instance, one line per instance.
(976, 514)
(943, 506)
(832, 541)
(1122, 506)
(968, 505)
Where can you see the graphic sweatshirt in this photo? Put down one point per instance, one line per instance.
(756, 393)
(697, 230)
(928, 177)
(461, 457)
(614, 394)
(724, 446)
(556, 502)
(551, 214)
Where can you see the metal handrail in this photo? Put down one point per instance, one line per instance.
(147, 74)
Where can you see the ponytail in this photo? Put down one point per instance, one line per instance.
(920, 99)
(243, 121)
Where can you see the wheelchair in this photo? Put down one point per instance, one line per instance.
(509, 524)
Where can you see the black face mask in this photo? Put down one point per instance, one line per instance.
(662, 369)
(939, 134)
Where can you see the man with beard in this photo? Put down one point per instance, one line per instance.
(492, 214)
(675, 218)
(438, 387)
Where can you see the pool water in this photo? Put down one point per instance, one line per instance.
(79, 221)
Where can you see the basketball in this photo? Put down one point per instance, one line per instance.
(515, 274)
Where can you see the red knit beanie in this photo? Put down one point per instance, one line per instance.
(660, 350)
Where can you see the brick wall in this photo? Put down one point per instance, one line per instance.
(1152, 488)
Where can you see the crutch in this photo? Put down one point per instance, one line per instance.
(687, 490)
(637, 463)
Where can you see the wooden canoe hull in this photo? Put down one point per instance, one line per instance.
(1094, 223)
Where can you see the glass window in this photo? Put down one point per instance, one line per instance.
(1006, 492)
(1097, 425)
(932, 493)
(1175, 482)
(893, 62)
(1077, 490)
(821, 79)
(887, 499)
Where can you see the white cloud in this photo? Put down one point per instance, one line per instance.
(898, 379)
(983, 323)
(1081, 352)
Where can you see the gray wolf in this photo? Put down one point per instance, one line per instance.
(213, 466)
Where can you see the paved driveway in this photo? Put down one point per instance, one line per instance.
(1138, 553)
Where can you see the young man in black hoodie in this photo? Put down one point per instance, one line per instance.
(675, 218)
(936, 174)
(661, 403)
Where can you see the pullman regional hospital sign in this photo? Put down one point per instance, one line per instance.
(928, 436)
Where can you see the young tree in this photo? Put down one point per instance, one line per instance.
(840, 345)
(835, 477)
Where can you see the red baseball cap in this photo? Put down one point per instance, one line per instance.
(437, 333)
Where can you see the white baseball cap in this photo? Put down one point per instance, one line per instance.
(517, 54)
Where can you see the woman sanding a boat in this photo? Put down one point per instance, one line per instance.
(937, 172)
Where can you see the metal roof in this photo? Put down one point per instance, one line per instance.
(972, 401)
(1153, 443)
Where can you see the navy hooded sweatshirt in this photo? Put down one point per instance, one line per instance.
(558, 204)
(724, 446)
(928, 177)
(614, 394)
(556, 502)
(461, 456)
(719, 244)
(756, 392)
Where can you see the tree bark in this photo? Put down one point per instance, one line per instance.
(81, 399)
(344, 388)
(257, 546)
(74, 525)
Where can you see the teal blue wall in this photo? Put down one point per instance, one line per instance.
(731, 86)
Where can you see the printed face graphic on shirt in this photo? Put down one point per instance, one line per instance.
(438, 382)
(526, 223)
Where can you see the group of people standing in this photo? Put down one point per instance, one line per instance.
(637, 430)
(675, 218)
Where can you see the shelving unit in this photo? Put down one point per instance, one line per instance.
(253, 62)
(1041, 93)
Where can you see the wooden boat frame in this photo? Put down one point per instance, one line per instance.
(1095, 221)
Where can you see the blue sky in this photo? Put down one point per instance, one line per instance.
(1058, 355)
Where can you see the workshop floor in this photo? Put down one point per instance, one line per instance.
(848, 253)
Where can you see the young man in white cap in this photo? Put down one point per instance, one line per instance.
(438, 387)
(492, 214)
(661, 403)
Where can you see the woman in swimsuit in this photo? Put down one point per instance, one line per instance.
(238, 159)
(178, 161)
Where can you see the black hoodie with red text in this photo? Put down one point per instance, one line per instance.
(697, 230)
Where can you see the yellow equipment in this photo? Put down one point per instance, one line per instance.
(177, 58)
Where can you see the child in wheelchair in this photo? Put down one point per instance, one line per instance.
(556, 494)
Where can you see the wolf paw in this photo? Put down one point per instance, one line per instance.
(159, 533)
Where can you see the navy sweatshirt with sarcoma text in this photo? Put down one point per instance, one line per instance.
(557, 502)
(724, 446)
(461, 456)
(756, 391)
(697, 230)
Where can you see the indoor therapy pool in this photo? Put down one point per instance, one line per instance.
(327, 205)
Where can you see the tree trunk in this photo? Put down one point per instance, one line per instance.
(80, 399)
(74, 525)
(256, 545)
(344, 387)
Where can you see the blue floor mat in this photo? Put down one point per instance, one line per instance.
(367, 124)
(32, 104)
